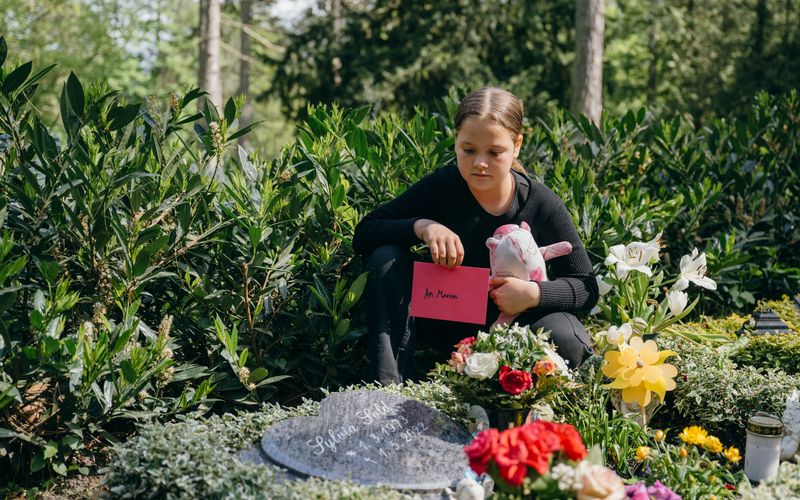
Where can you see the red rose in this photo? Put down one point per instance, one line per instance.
(514, 381)
(482, 449)
(511, 456)
(730, 487)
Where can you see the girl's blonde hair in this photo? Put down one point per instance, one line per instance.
(496, 104)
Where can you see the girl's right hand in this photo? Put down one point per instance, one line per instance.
(445, 245)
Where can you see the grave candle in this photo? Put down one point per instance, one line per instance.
(763, 447)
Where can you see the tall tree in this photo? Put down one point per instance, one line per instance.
(587, 80)
(210, 76)
(244, 70)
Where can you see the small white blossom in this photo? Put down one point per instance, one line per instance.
(677, 301)
(569, 479)
(603, 286)
(618, 335)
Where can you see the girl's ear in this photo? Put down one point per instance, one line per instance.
(517, 145)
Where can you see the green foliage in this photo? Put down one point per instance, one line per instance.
(778, 351)
(197, 457)
(785, 485)
(712, 391)
(588, 409)
(698, 474)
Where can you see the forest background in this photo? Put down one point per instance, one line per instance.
(703, 59)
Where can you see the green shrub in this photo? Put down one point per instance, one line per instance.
(785, 485)
(777, 351)
(714, 392)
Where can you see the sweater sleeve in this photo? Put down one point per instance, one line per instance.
(393, 222)
(572, 286)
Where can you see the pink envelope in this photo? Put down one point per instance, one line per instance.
(459, 294)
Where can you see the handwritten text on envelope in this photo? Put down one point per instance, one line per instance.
(459, 294)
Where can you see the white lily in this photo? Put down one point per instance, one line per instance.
(634, 256)
(693, 268)
(603, 286)
(618, 335)
(677, 301)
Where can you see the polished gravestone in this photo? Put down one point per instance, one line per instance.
(370, 438)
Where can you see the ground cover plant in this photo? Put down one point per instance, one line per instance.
(149, 267)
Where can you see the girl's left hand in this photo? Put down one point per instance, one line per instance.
(513, 295)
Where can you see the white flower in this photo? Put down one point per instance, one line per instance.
(634, 256)
(617, 335)
(568, 477)
(560, 362)
(677, 301)
(693, 268)
(603, 286)
(482, 365)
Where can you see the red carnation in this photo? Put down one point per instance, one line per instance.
(514, 381)
(482, 449)
(511, 457)
(465, 341)
(571, 441)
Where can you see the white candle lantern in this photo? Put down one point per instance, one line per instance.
(763, 448)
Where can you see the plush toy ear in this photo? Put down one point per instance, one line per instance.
(492, 243)
(525, 226)
(556, 250)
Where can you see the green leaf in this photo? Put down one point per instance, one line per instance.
(50, 449)
(74, 91)
(355, 291)
(230, 111)
(122, 116)
(337, 197)
(71, 441)
(60, 468)
(257, 375)
(128, 371)
(243, 131)
(37, 463)
(17, 77)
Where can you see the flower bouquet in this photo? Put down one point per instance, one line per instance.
(543, 460)
(507, 369)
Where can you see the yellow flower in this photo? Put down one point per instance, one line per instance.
(683, 452)
(642, 453)
(639, 369)
(712, 444)
(659, 436)
(693, 435)
(732, 454)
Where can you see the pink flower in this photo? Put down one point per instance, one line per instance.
(601, 482)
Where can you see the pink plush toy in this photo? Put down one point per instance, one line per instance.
(513, 252)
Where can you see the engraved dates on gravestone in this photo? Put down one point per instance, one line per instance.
(370, 438)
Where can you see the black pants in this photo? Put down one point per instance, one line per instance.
(394, 333)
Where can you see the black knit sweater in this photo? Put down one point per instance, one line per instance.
(443, 196)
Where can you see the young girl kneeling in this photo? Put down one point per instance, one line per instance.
(454, 210)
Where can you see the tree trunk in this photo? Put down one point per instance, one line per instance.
(587, 75)
(244, 71)
(335, 8)
(210, 77)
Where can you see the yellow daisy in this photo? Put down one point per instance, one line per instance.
(712, 444)
(732, 454)
(693, 435)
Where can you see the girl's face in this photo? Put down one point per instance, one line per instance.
(485, 152)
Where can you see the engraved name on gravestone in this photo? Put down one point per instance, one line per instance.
(370, 438)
